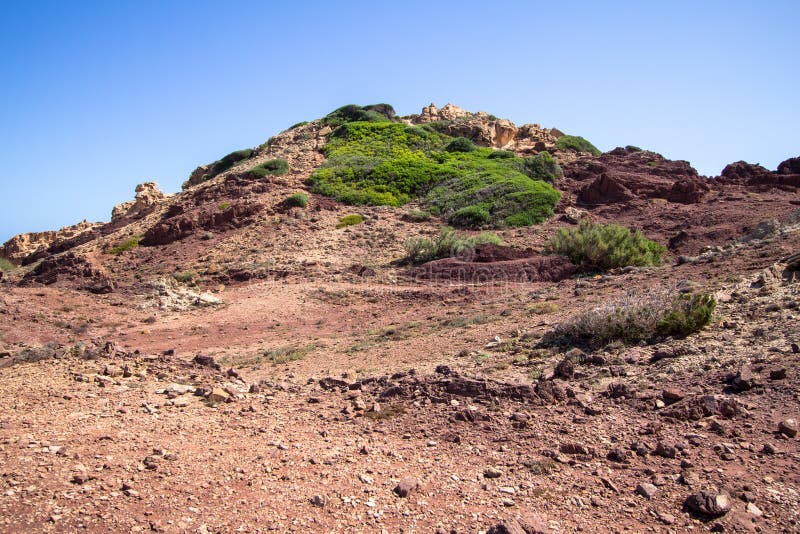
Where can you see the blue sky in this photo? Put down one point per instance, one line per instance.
(99, 96)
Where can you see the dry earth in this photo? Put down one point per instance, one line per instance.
(303, 381)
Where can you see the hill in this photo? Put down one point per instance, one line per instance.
(441, 321)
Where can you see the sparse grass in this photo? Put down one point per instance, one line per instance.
(595, 247)
(282, 355)
(125, 245)
(299, 200)
(542, 308)
(224, 206)
(541, 467)
(463, 321)
(185, 277)
(449, 243)
(576, 143)
(273, 167)
(6, 265)
(350, 220)
(639, 317)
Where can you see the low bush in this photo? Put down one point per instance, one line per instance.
(470, 217)
(223, 206)
(288, 354)
(350, 220)
(542, 166)
(185, 277)
(689, 313)
(125, 245)
(355, 113)
(576, 143)
(299, 200)
(6, 265)
(273, 167)
(639, 317)
(449, 243)
(460, 144)
(594, 247)
(502, 154)
(228, 161)
(417, 216)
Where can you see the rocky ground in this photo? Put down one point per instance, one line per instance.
(301, 379)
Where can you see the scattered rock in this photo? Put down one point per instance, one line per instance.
(646, 490)
(788, 427)
(709, 503)
(406, 486)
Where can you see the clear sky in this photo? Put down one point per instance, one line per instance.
(99, 96)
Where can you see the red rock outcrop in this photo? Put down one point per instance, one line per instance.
(624, 174)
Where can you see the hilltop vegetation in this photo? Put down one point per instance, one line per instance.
(378, 162)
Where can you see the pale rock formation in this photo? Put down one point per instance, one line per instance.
(147, 195)
(20, 246)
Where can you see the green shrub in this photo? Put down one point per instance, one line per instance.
(449, 243)
(288, 354)
(600, 247)
(392, 164)
(354, 113)
(542, 166)
(688, 314)
(502, 154)
(6, 265)
(185, 277)
(470, 217)
(460, 144)
(297, 125)
(417, 216)
(576, 143)
(225, 163)
(350, 220)
(639, 317)
(125, 245)
(273, 167)
(299, 200)
(224, 206)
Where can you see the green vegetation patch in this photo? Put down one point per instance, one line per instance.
(355, 113)
(185, 277)
(385, 163)
(299, 200)
(597, 247)
(273, 167)
(350, 220)
(640, 317)
(6, 265)
(576, 143)
(448, 243)
(282, 355)
(225, 163)
(125, 245)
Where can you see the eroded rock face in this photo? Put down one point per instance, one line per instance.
(624, 174)
(181, 225)
(147, 196)
(486, 130)
(741, 172)
(21, 246)
(72, 269)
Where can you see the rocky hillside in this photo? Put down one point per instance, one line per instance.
(439, 322)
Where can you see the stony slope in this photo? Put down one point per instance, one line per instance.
(314, 419)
